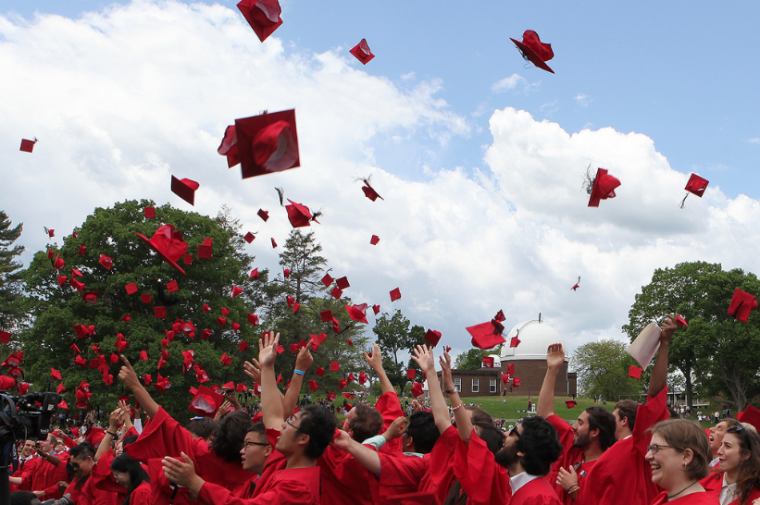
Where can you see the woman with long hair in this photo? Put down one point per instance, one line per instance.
(739, 462)
(129, 473)
(679, 454)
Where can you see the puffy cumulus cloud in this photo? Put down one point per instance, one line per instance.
(513, 82)
(122, 99)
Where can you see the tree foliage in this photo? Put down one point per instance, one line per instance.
(395, 336)
(11, 312)
(602, 369)
(471, 360)
(716, 353)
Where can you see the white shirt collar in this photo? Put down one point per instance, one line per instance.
(520, 480)
(727, 492)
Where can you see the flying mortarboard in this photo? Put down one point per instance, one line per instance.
(395, 294)
(168, 243)
(488, 362)
(417, 389)
(243, 346)
(336, 293)
(131, 288)
(145, 298)
(432, 337)
(55, 374)
(249, 237)
(206, 402)
(185, 189)
(680, 321)
(90, 296)
(485, 335)
(5, 337)
(225, 311)
(286, 272)
(187, 259)
(357, 312)
(742, 303)
(342, 283)
(205, 250)
(27, 146)
(254, 274)
(267, 143)
(82, 250)
(236, 290)
(320, 371)
(374, 240)
(334, 366)
(253, 319)
(571, 403)
(160, 312)
(362, 52)
(411, 373)
(262, 15)
(634, 372)
(263, 214)
(228, 147)
(172, 286)
(299, 215)
(516, 382)
(514, 342)
(603, 187)
(274, 244)
(696, 185)
(535, 51)
(376, 309)
(149, 212)
(327, 280)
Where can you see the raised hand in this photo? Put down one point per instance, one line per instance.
(396, 429)
(253, 370)
(115, 420)
(555, 356)
(342, 441)
(448, 380)
(668, 328)
(376, 360)
(423, 356)
(127, 375)
(182, 472)
(304, 358)
(268, 348)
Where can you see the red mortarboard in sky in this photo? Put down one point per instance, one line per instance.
(696, 185)
(82, 250)
(320, 371)
(534, 50)
(488, 362)
(60, 389)
(263, 214)
(243, 346)
(411, 373)
(145, 298)
(511, 368)
(369, 191)
(106, 261)
(576, 285)
(61, 279)
(144, 355)
(185, 189)
(236, 291)
(274, 244)
(342, 283)
(331, 397)
(571, 403)
(55, 374)
(313, 386)
(50, 231)
(205, 250)
(299, 215)
(357, 312)
(750, 415)
(228, 146)
(334, 366)
(262, 15)
(336, 293)
(225, 311)
(254, 274)
(131, 288)
(514, 342)
(206, 402)
(432, 337)
(374, 240)
(5, 336)
(395, 294)
(376, 309)
(417, 389)
(286, 272)
(240, 388)
(327, 280)
(90, 296)
(149, 212)
(680, 321)
(634, 372)
(516, 382)
(342, 383)
(168, 243)
(326, 316)
(187, 259)
(172, 286)
(603, 187)
(249, 237)
(225, 360)
(267, 143)
(362, 52)
(58, 263)
(222, 321)
(27, 146)
(253, 319)
(160, 312)
(484, 337)
(742, 304)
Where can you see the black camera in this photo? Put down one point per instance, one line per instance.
(27, 416)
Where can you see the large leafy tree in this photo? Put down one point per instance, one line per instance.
(472, 359)
(716, 352)
(395, 336)
(602, 369)
(11, 311)
(204, 294)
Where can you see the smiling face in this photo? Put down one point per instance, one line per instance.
(716, 437)
(731, 455)
(82, 466)
(28, 448)
(581, 435)
(667, 463)
(121, 478)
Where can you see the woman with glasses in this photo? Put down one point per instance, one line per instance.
(738, 466)
(678, 455)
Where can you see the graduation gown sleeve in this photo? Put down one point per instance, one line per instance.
(484, 481)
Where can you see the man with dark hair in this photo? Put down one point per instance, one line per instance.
(202, 427)
(43, 476)
(82, 488)
(584, 442)
(622, 475)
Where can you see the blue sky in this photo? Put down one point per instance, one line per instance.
(479, 156)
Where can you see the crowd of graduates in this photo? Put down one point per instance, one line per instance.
(447, 454)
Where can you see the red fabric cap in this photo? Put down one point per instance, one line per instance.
(511, 368)
(187, 259)
(222, 321)
(634, 372)
(483, 336)
(55, 374)
(327, 280)
(374, 240)
(331, 397)
(263, 214)
(185, 189)
(206, 402)
(241, 388)
(294, 348)
(516, 382)
(249, 237)
(514, 342)
(320, 371)
(5, 337)
(144, 355)
(417, 389)
(750, 415)
(205, 250)
(105, 261)
(697, 185)
(149, 212)
(534, 50)
(336, 293)
(27, 146)
(225, 311)
(342, 383)
(267, 143)
(236, 291)
(299, 215)
(432, 337)
(334, 366)
(206, 308)
(357, 312)
(376, 309)
(262, 15)
(160, 312)
(254, 274)
(742, 303)
(225, 360)
(326, 316)
(313, 386)
(243, 346)
(60, 389)
(82, 250)
(172, 286)
(274, 244)
(411, 373)
(604, 187)
(168, 243)
(50, 232)
(362, 52)
(488, 362)
(370, 192)
(228, 146)
(90, 296)
(395, 294)
(253, 319)
(131, 288)
(348, 396)
(280, 349)
(61, 279)
(681, 322)
(571, 403)
(145, 297)
(342, 283)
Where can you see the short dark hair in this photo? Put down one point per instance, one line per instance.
(230, 436)
(493, 437)
(22, 498)
(257, 428)
(539, 442)
(85, 450)
(366, 423)
(600, 419)
(480, 417)
(627, 409)
(131, 439)
(319, 423)
(204, 427)
(423, 431)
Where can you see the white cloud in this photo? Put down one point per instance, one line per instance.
(513, 82)
(122, 99)
(755, 140)
(582, 100)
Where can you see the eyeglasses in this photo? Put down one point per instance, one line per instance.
(514, 431)
(655, 448)
(736, 429)
(248, 443)
(291, 418)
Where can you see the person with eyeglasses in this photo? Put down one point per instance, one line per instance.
(622, 475)
(737, 468)
(678, 455)
(82, 489)
(291, 474)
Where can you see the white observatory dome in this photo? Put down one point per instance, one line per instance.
(535, 337)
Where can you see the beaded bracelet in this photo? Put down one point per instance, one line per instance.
(458, 406)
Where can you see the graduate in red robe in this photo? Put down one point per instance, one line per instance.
(83, 485)
(736, 479)
(49, 471)
(584, 442)
(622, 475)
(291, 474)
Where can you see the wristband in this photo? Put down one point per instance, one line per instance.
(112, 434)
(299, 372)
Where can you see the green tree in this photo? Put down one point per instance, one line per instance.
(209, 282)
(472, 359)
(715, 352)
(602, 369)
(11, 311)
(395, 336)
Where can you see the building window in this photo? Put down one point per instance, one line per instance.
(493, 385)
(476, 385)
(458, 385)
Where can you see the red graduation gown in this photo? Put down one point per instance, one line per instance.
(440, 473)
(142, 495)
(399, 475)
(689, 499)
(571, 456)
(344, 480)
(622, 475)
(485, 481)
(390, 407)
(536, 492)
(88, 494)
(46, 476)
(713, 483)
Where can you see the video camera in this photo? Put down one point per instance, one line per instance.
(27, 416)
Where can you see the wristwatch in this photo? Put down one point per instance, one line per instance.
(449, 391)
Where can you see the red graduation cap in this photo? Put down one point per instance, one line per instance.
(299, 215)
(263, 214)
(484, 336)
(82, 250)
(106, 261)
(55, 374)
(262, 15)
(535, 51)
(79, 360)
(236, 291)
(342, 383)
(432, 337)
(27, 146)
(243, 346)
(511, 368)
(313, 386)
(144, 355)
(90, 296)
(376, 309)
(342, 283)
(571, 403)
(145, 297)
(294, 348)
(168, 244)
(634, 372)
(147, 379)
(79, 286)
(742, 304)
(395, 294)
(417, 389)
(330, 396)
(505, 378)
(205, 249)
(488, 362)
(334, 366)
(576, 285)
(253, 319)
(5, 336)
(336, 293)
(149, 212)
(240, 388)
(187, 259)
(696, 185)
(225, 360)
(222, 321)
(7, 383)
(185, 189)
(49, 231)
(374, 240)
(58, 263)
(514, 342)
(131, 288)
(362, 52)
(286, 272)
(516, 382)
(205, 334)
(206, 402)
(326, 316)
(249, 237)
(228, 146)
(274, 244)
(254, 274)
(411, 373)
(206, 308)
(750, 415)
(61, 279)
(357, 312)
(370, 192)
(267, 143)
(680, 321)
(603, 188)
(159, 312)
(320, 371)
(60, 389)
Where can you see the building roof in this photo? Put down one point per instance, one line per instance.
(535, 337)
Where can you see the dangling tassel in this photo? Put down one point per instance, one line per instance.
(684, 199)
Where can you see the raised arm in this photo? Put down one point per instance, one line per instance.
(271, 403)
(364, 454)
(555, 358)
(659, 378)
(128, 376)
(464, 424)
(114, 423)
(423, 355)
(303, 363)
(376, 362)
